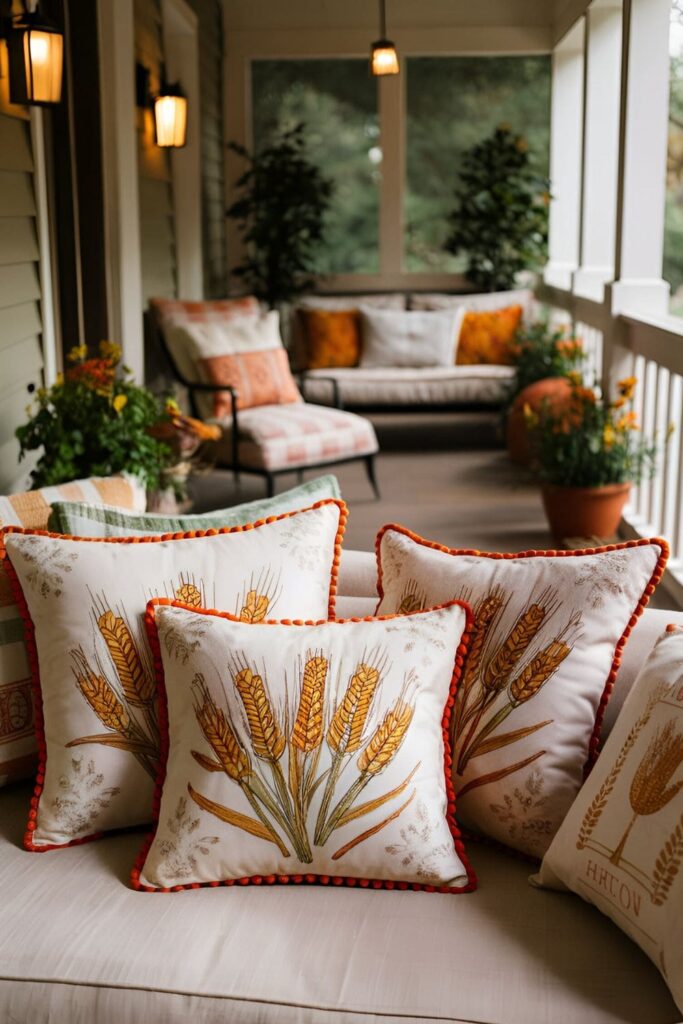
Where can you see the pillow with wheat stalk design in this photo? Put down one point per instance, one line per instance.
(549, 630)
(309, 752)
(621, 845)
(84, 601)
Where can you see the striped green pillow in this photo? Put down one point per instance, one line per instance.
(80, 519)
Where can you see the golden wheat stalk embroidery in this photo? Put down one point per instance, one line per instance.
(503, 673)
(667, 865)
(599, 802)
(651, 787)
(280, 798)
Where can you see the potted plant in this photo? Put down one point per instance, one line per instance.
(543, 357)
(96, 421)
(281, 214)
(588, 457)
(500, 220)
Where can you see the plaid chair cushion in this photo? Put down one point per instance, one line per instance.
(276, 437)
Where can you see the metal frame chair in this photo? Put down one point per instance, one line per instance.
(236, 466)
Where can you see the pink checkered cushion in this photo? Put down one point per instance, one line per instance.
(288, 436)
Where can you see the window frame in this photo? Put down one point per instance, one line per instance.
(243, 47)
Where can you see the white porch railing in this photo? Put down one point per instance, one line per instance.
(652, 351)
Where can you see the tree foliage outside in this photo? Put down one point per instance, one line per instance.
(337, 102)
(500, 220)
(280, 209)
(453, 103)
(672, 270)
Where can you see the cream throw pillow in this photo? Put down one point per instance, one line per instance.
(549, 629)
(84, 602)
(621, 845)
(398, 338)
(306, 751)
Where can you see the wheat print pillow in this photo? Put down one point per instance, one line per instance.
(306, 752)
(84, 602)
(621, 845)
(549, 630)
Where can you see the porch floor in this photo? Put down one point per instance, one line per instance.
(446, 477)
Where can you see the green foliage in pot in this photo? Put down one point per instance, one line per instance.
(94, 421)
(593, 442)
(540, 351)
(281, 214)
(500, 221)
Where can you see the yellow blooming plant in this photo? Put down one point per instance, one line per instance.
(95, 421)
(541, 350)
(592, 441)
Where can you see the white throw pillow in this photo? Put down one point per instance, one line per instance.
(621, 845)
(307, 750)
(83, 605)
(399, 338)
(549, 630)
(192, 342)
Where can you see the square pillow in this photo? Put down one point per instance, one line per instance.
(79, 519)
(488, 337)
(621, 845)
(18, 751)
(173, 315)
(261, 378)
(331, 337)
(84, 599)
(398, 338)
(549, 630)
(310, 751)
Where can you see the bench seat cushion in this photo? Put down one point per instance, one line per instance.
(78, 946)
(276, 437)
(438, 385)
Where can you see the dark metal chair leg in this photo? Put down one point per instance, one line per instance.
(370, 470)
(270, 485)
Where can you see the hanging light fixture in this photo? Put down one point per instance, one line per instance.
(35, 48)
(383, 55)
(170, 116)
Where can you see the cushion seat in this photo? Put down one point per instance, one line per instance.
(438, 385)
(299, 434)
(78, 946)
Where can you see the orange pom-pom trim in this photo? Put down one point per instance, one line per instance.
(648, 590)
(310, 879)
(32, 650)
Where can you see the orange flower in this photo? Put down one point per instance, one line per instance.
(569, 347)
(629, 421)
(627, 386)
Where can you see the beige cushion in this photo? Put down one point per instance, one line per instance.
(476, 301)
(429, 385)
(78, 946)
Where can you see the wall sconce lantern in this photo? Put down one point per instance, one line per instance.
(170, 116)
(35, 48)
(383, 55)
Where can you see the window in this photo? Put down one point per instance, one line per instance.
(337, 102)
(453, 103)
(672, 270)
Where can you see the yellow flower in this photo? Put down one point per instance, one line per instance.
(59, 380)
(629, 421)
(575, 378)
(110, 350)
(609, 435)
(530, 416)
(78, 353)
(119, 402)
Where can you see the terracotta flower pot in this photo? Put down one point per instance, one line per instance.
(555, 392)
(584, 511)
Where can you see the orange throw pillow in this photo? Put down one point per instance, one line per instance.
(487, 337)
(260, 378)
(332, 337)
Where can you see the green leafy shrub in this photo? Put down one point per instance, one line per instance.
(500, 221)
(540, 351)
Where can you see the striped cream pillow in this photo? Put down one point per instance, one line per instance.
(31, 510)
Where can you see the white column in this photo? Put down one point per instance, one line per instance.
(645, 113)
(120, 168)
(600, 148)
(181, 48)
(566, 131)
